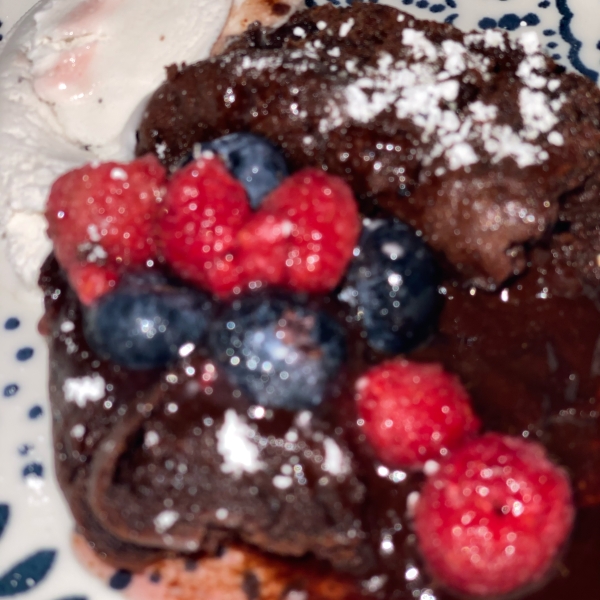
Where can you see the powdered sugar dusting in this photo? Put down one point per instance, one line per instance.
(421, 46)
(346, 27)
(235, 444)
(78, 431)
(556, 138)
(490, 38)
(335, 461)
(536, 113)
(82, 390)
(420, 87)
(165, 520)
(424, 82)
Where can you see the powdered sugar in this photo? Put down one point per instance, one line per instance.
(536, 113)
(261, 63)
(346, 27)
(421, 46)
(235, 444)
(335, 461)
(501, 141)
(530, 42)
(78, 431)
(555, 138)
(420, 86)
(165, 520)
(82, 390)
(490, 38)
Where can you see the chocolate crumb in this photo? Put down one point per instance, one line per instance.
(172, 71)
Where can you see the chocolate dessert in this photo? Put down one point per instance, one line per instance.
(483, 147)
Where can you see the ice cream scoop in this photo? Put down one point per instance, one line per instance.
(74, 75)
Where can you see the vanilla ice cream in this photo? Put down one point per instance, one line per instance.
(74, 76)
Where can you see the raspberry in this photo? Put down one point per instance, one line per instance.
(413, 412)
(204, 210)
(494, 516)
(91, 281)
(303, 235)
(106, 213)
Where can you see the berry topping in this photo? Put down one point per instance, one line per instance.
(304, 235)
(392, 284)
(106, 213)
(413, 412)
(277, 351)
(253, 161)
(144, 323)
(204, 210)
(91, 281)
(494, 516)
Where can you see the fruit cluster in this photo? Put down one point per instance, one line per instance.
(148, 254)
(487, 501)
(164, 263)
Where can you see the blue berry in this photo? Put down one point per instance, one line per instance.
(392, 284)
(256, 163)
(145, 321)
(277, 352)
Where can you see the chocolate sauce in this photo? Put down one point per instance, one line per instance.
(526, 355)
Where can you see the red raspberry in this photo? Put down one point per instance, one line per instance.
(303, 235)
(106, 213)
(90, 281)
(205, 208)
(413, 412)
(494, 516)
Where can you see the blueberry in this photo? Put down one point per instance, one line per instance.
(145, 321)
(256, 163)
(392, 284)
(280, 353)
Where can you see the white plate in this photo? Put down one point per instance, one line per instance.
(35, 557)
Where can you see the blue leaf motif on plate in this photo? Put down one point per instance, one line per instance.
(26, 574)
(4, 516)
(576, 44)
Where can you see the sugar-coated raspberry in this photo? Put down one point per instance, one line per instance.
(303, 235)
(91, 281)
(106, 213)
(204, 210)
(494, 516)
(413, 412)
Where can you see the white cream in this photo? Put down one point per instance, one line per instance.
(74, 76)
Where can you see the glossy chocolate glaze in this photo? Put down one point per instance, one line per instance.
(529, 360)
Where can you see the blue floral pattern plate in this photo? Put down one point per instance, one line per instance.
(36, 561)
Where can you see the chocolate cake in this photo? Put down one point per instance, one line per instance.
(490, 152)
